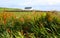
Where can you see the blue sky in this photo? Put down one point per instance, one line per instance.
(35, 4)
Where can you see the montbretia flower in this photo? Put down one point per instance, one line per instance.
(4, 21)
(50, 16)
(8, 30)
(4, 15)
(21, 19)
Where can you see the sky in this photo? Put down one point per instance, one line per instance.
(35, 4)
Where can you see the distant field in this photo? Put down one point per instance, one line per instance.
(16, 13)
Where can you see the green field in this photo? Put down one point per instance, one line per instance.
(29, 24)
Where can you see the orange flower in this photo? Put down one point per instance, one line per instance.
(4, 21)
(22, 19)
(50, 16)
(14, 17)
(8, 30)
(9, 15)
(4, 17)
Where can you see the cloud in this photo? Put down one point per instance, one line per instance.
(38, 4)
(30, 2)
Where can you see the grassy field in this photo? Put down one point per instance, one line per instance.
(29, 24)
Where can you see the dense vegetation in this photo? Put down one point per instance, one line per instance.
(29, 25)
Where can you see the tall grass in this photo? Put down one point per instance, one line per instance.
(33, 25)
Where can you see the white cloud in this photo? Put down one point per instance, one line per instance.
(39, 2)
(53, 2)
(30, 2)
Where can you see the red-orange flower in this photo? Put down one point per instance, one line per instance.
(8, 30)
(4, 21)
(22, 19)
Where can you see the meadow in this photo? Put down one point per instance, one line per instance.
(29, 24)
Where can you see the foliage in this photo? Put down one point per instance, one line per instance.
(33, 25)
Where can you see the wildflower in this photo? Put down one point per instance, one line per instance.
(15, 17)
(8, 30)
(4, 21)
(22, 19)
(49, 17)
